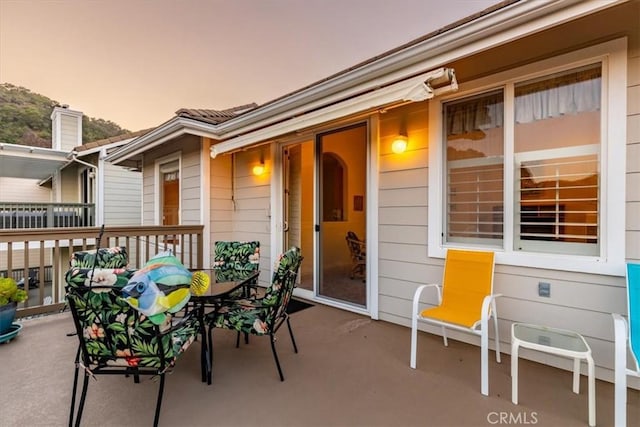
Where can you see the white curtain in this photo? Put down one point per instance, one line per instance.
(482, 113)
(574, 93)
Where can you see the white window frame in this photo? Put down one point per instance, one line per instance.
(611, 260)
(159, 169)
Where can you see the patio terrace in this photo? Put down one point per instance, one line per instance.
(350, 371)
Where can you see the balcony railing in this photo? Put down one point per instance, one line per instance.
(40, 258)
(46, 215)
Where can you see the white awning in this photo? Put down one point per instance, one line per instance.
(21, 161)
(413, 89)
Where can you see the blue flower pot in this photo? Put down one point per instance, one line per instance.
(7, 315)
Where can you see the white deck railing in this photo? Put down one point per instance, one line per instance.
(41, 256)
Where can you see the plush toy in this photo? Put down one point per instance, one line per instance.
(162, 286)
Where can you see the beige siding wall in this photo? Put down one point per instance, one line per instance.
(633, 152)
(69, 184)
(190, 182)
(240, 206)
(581, 302)
(252, 208)
(148, 191)
(69, 130)
(23, 190)
(221, 204)
(122, 196)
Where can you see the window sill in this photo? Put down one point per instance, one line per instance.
(568, 263)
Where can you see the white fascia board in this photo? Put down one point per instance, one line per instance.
(377, 99)
(512, 22)
(172, 129)
(29, 151)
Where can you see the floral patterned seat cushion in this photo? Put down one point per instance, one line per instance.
(258, 316)
(231, 257)
(115, 257)
(114, 334)
(236, 255)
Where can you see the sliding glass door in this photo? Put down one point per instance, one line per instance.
(325, 185)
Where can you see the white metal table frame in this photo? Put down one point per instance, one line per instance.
(559, 342)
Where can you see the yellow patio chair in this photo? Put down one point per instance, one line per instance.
(465, 302)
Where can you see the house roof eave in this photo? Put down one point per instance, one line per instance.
(500, 26)
(171, 129)
(497, 25)
(493, 27)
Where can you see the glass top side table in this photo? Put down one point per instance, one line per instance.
(559, 342)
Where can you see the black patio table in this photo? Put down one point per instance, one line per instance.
(217, 292)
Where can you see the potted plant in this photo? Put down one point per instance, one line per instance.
(10, 296)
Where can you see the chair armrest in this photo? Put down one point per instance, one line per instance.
(619, 327)
(418, 293)
(487, 303)
(190, 318)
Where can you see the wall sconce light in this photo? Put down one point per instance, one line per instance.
(399, 144)
(258, 169)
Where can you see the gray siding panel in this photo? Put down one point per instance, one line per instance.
(122, 196)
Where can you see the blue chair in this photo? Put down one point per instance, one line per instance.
(627, 332)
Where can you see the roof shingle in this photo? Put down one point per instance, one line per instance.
(215, 116)
(110, 140)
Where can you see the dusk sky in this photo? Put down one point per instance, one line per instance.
(135, 62)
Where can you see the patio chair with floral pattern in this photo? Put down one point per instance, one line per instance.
(262, 316)
(114, 337)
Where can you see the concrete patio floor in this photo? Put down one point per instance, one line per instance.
(350, 371)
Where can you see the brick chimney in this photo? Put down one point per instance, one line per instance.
(66, 132)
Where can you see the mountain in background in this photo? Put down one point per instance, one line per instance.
(25, 119)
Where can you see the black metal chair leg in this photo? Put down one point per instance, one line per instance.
(85, 384)
(238, 339)
(275, 355)
(210, 357)
(75, 388)
(204, 357)
(159, 403)
(293, 340)
(204, 354)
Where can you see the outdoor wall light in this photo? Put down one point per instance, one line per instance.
(399, 144)
(258, 169)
